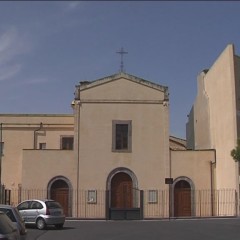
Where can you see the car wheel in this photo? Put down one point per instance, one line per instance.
(41, 224)
(59, 226)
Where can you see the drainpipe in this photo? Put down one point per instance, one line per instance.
(211, 186)
(34, 136)
(211, 183)
(1, 153)
(170, 185)
(77, 108)
(78, 155)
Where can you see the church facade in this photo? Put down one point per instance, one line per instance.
(113, 158)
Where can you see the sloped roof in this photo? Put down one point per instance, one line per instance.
(89, 84)
(177, 143)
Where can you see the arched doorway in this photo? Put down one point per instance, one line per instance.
(121, 191)
(59, 190)
(124, 198)
(182, 199)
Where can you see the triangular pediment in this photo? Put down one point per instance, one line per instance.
(122, 86)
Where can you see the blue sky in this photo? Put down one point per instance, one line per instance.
(48, 47)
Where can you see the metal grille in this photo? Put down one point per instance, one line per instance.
(155, 204)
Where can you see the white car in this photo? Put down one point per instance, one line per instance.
(42, 213)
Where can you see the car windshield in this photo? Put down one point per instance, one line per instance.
(9, 213)
(52, 204)
(5, 224)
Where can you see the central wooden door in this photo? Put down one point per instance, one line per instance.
(182, 199)
(121, 191)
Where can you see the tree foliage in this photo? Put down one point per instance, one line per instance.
(235, 153)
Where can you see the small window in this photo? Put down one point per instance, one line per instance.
(152, 196)
(42, 145)
(122, 136)
(67, 143)
(1, 148)
(92, 196)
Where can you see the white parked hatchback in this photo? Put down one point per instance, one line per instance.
(42, 213)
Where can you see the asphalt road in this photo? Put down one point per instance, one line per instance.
(199, 229)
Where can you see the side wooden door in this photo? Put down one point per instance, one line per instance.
(182, 199)
(61, 195)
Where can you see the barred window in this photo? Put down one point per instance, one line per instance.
(1, 148)
(67, 143)
(42, 145)
(122, 132)
(152, 196)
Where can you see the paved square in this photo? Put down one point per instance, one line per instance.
(198, 229)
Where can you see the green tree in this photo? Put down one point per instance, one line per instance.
(235, 153)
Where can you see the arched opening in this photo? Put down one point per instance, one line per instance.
(59, 190)
(182, 199)
(121, 191)
(125, 200)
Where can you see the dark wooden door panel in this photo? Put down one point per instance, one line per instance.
(182, 202)
(121, 191)
(61, 195)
